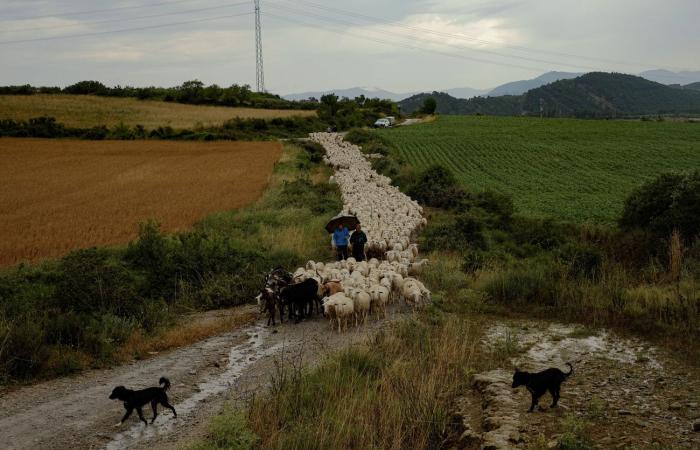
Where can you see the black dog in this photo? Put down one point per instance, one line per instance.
(137, 399)
(541, 382)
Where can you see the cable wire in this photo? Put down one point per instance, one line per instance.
(95, 22)
(470, 38)
(427, 41)
(408, 46)
(149, 27)
(94, 11)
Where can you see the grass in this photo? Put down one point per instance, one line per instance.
(85, 111)
(59, 195)
(576, 170)
(394, 392)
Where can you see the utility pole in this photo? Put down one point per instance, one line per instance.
(259, 74)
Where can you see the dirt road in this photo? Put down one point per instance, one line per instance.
(76, 413)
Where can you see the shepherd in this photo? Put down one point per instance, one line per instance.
(358, 239)
(340, 239)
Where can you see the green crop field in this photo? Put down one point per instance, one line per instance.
(578, 170)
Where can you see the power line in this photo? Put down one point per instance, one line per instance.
(469, 38)
(94, 11)
(459, 47)
(407, 46)
(95, 22)
(148, 27)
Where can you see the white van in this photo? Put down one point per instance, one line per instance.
(382, 123)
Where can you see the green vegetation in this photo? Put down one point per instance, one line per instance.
(600, 94)
(565, 169)
(228, 431)
(234, 129)
(395, 391)
(191, 92)
(80, 311)
(592, 95)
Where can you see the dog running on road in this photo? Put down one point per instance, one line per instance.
(136, 400)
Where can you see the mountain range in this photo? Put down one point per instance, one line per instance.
(595, 94)
(512, 88)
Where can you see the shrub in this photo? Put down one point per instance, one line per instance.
(465, 231)
(436, 186)
(530, 283)
(671, 201)
(582, 259)
(228, 431)
(429, 106)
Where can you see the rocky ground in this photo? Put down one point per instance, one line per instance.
(623, 393)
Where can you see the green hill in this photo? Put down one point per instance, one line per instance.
(693, 86)
(595, 94)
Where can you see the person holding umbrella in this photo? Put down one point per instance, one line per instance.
(340, 239)
(358, 239)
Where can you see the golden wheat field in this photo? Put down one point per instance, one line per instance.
(88, 111)
(59, 195)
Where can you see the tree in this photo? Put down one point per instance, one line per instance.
(429, 106)
(669, 202)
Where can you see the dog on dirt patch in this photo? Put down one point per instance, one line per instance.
(136, 400)
(541, 382)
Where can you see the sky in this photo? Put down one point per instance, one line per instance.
(309, 45)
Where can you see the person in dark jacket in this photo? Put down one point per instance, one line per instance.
(358, 239)
(340, 239)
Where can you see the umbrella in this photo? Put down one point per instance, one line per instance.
(343, 219)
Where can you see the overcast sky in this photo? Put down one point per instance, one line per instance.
(398, 45)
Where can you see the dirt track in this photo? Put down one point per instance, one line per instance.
(632, 393)
(76, 413)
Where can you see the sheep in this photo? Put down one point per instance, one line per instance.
(361, 302)
(416, 267)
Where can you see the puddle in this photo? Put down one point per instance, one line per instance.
(554, 345)
(240, 358)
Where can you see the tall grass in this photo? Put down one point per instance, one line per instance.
(394, 392)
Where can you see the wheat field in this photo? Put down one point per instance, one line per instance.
(59, 195)
(88, 110)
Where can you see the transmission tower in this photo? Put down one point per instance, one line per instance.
(259, 73)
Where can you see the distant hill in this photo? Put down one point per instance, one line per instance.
(668, 77)
(465, 92)
(599, 94)
(595, 94)
(522, 86)
(350, 93)
(505, 105)
(693, 86)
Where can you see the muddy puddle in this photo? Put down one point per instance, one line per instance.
(556, 344)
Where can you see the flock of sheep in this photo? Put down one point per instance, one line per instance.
(351, 290)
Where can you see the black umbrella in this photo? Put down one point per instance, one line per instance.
(342, 219)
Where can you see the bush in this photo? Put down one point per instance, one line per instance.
(582, 259)
(671, 201)
(533, 283)
(436, 186)
(459, 233)
(429, 106)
